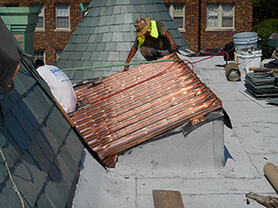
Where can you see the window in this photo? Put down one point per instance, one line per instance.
(177, 14)
(220, 16)
(62, 16)
(40, 23)
(39, 54)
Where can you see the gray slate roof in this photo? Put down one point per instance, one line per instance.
(107, 34)
(42, 150)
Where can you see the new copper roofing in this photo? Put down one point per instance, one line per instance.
(130, 107)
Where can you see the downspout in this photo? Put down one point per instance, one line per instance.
(199, 26)
(81, 7)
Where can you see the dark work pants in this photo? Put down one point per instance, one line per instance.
(150, 53)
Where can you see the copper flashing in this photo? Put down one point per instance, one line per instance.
(128, 108)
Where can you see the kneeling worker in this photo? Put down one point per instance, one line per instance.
(153, 40)
(59, 84)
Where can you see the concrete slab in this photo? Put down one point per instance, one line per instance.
(238, 164)
(229, 92)
(262, 103)
(98, 188)
(202, 185)
(249, 112)
(258, 137)
(175, 155)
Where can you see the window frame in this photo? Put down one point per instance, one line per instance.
(40, 15)
(57, 29)
(172, 12)
(220, 18)
(43, 54)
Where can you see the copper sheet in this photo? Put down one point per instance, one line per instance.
(128, 108)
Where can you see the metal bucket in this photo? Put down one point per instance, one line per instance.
(245, 40)
(246, 58)
(232, 72)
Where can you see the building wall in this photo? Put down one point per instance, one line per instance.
(210, 40)
(196, 39)
(50, 40)
(243, 23)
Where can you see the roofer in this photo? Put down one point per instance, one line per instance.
(153, 40)
(59, 84)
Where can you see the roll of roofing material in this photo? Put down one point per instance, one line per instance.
(232, 72)
(271, 173)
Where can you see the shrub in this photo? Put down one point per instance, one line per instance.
(266, 28)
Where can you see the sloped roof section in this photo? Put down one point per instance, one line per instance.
(128, 108)
(41, 148)
(107, 34)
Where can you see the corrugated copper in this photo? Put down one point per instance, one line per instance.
(128, 108)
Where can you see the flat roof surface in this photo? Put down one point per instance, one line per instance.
(248, 147)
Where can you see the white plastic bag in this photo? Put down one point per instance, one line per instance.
(60, 86)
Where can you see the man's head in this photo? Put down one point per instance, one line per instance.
(39, 63)
(142, 25)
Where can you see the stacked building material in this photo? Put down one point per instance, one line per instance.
(261, 85)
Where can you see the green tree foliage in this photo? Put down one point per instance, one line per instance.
(265, 28)
(265, 17)
(264, 9)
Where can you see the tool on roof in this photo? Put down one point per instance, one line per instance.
(115, 65)
(267, 201)
(271, 173)
(82, 103)
(221, 52)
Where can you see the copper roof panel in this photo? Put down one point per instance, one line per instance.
(130, 107)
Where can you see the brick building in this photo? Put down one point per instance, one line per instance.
(57, 20)
(210, 24)
(204, 24)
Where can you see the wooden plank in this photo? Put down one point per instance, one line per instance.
(262, 69)
(266, 70)
(167, 199)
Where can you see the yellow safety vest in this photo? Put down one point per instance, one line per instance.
(153, 32)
